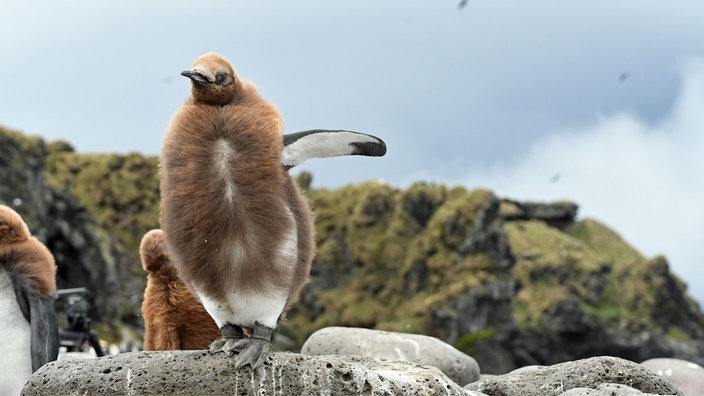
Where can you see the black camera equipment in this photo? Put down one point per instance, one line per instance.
(76, 335)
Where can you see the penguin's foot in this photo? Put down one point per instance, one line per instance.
(231, 334)
(253, 350)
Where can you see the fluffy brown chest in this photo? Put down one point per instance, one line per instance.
(224, 207)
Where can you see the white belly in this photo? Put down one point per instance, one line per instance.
(15, 337)
(244, 309)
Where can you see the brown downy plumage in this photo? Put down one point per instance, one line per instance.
(173, 318)
(236, 225)
(28, 280)
(24, 256)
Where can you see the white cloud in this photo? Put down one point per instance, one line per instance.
(646, 181)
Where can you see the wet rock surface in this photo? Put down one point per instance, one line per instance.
(199, 373)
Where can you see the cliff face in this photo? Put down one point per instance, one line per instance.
(85, 253)
(90, 211)
(510, 283)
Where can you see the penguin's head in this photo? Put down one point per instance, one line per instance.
(213, 80)
(12, 228)
(152, 251)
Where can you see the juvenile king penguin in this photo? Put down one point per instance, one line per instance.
(236, 225)
(173, 317)
(27, 285)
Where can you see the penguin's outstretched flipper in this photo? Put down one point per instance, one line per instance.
(40, 313)
(323, 143)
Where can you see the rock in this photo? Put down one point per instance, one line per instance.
(557, 214)
(585, 373)
(198, 372)
(479, 322)
(687, 376)
(477, 309)
(605, 390)
(420, 349)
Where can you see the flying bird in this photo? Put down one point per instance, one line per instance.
(236, 225)
(27, 285)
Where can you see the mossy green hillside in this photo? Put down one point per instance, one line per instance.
(393, 255)
(120, 191)
(389, 258)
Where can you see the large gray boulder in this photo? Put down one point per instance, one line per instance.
(199, 373)
(585, 373)
(416, 348)
(688, 376)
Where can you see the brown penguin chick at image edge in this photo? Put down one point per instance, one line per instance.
(173, 318)
(236, 225)
(27, 286)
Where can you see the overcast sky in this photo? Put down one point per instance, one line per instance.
(600, 102)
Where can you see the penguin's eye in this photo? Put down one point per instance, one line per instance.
(220, 77)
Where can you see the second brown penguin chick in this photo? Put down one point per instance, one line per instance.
(235, 223)
(173, 317)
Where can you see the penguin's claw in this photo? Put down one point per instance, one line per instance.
(231, 335)
(216, 346)
(251, 351)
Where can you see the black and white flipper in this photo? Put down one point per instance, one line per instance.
(323, 143)
(39, 312)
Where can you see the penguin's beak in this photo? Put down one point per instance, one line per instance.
(195, 76)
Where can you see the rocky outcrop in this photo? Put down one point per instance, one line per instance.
(509, 283)
(558, 214)
(199, 373)
(587, 374)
